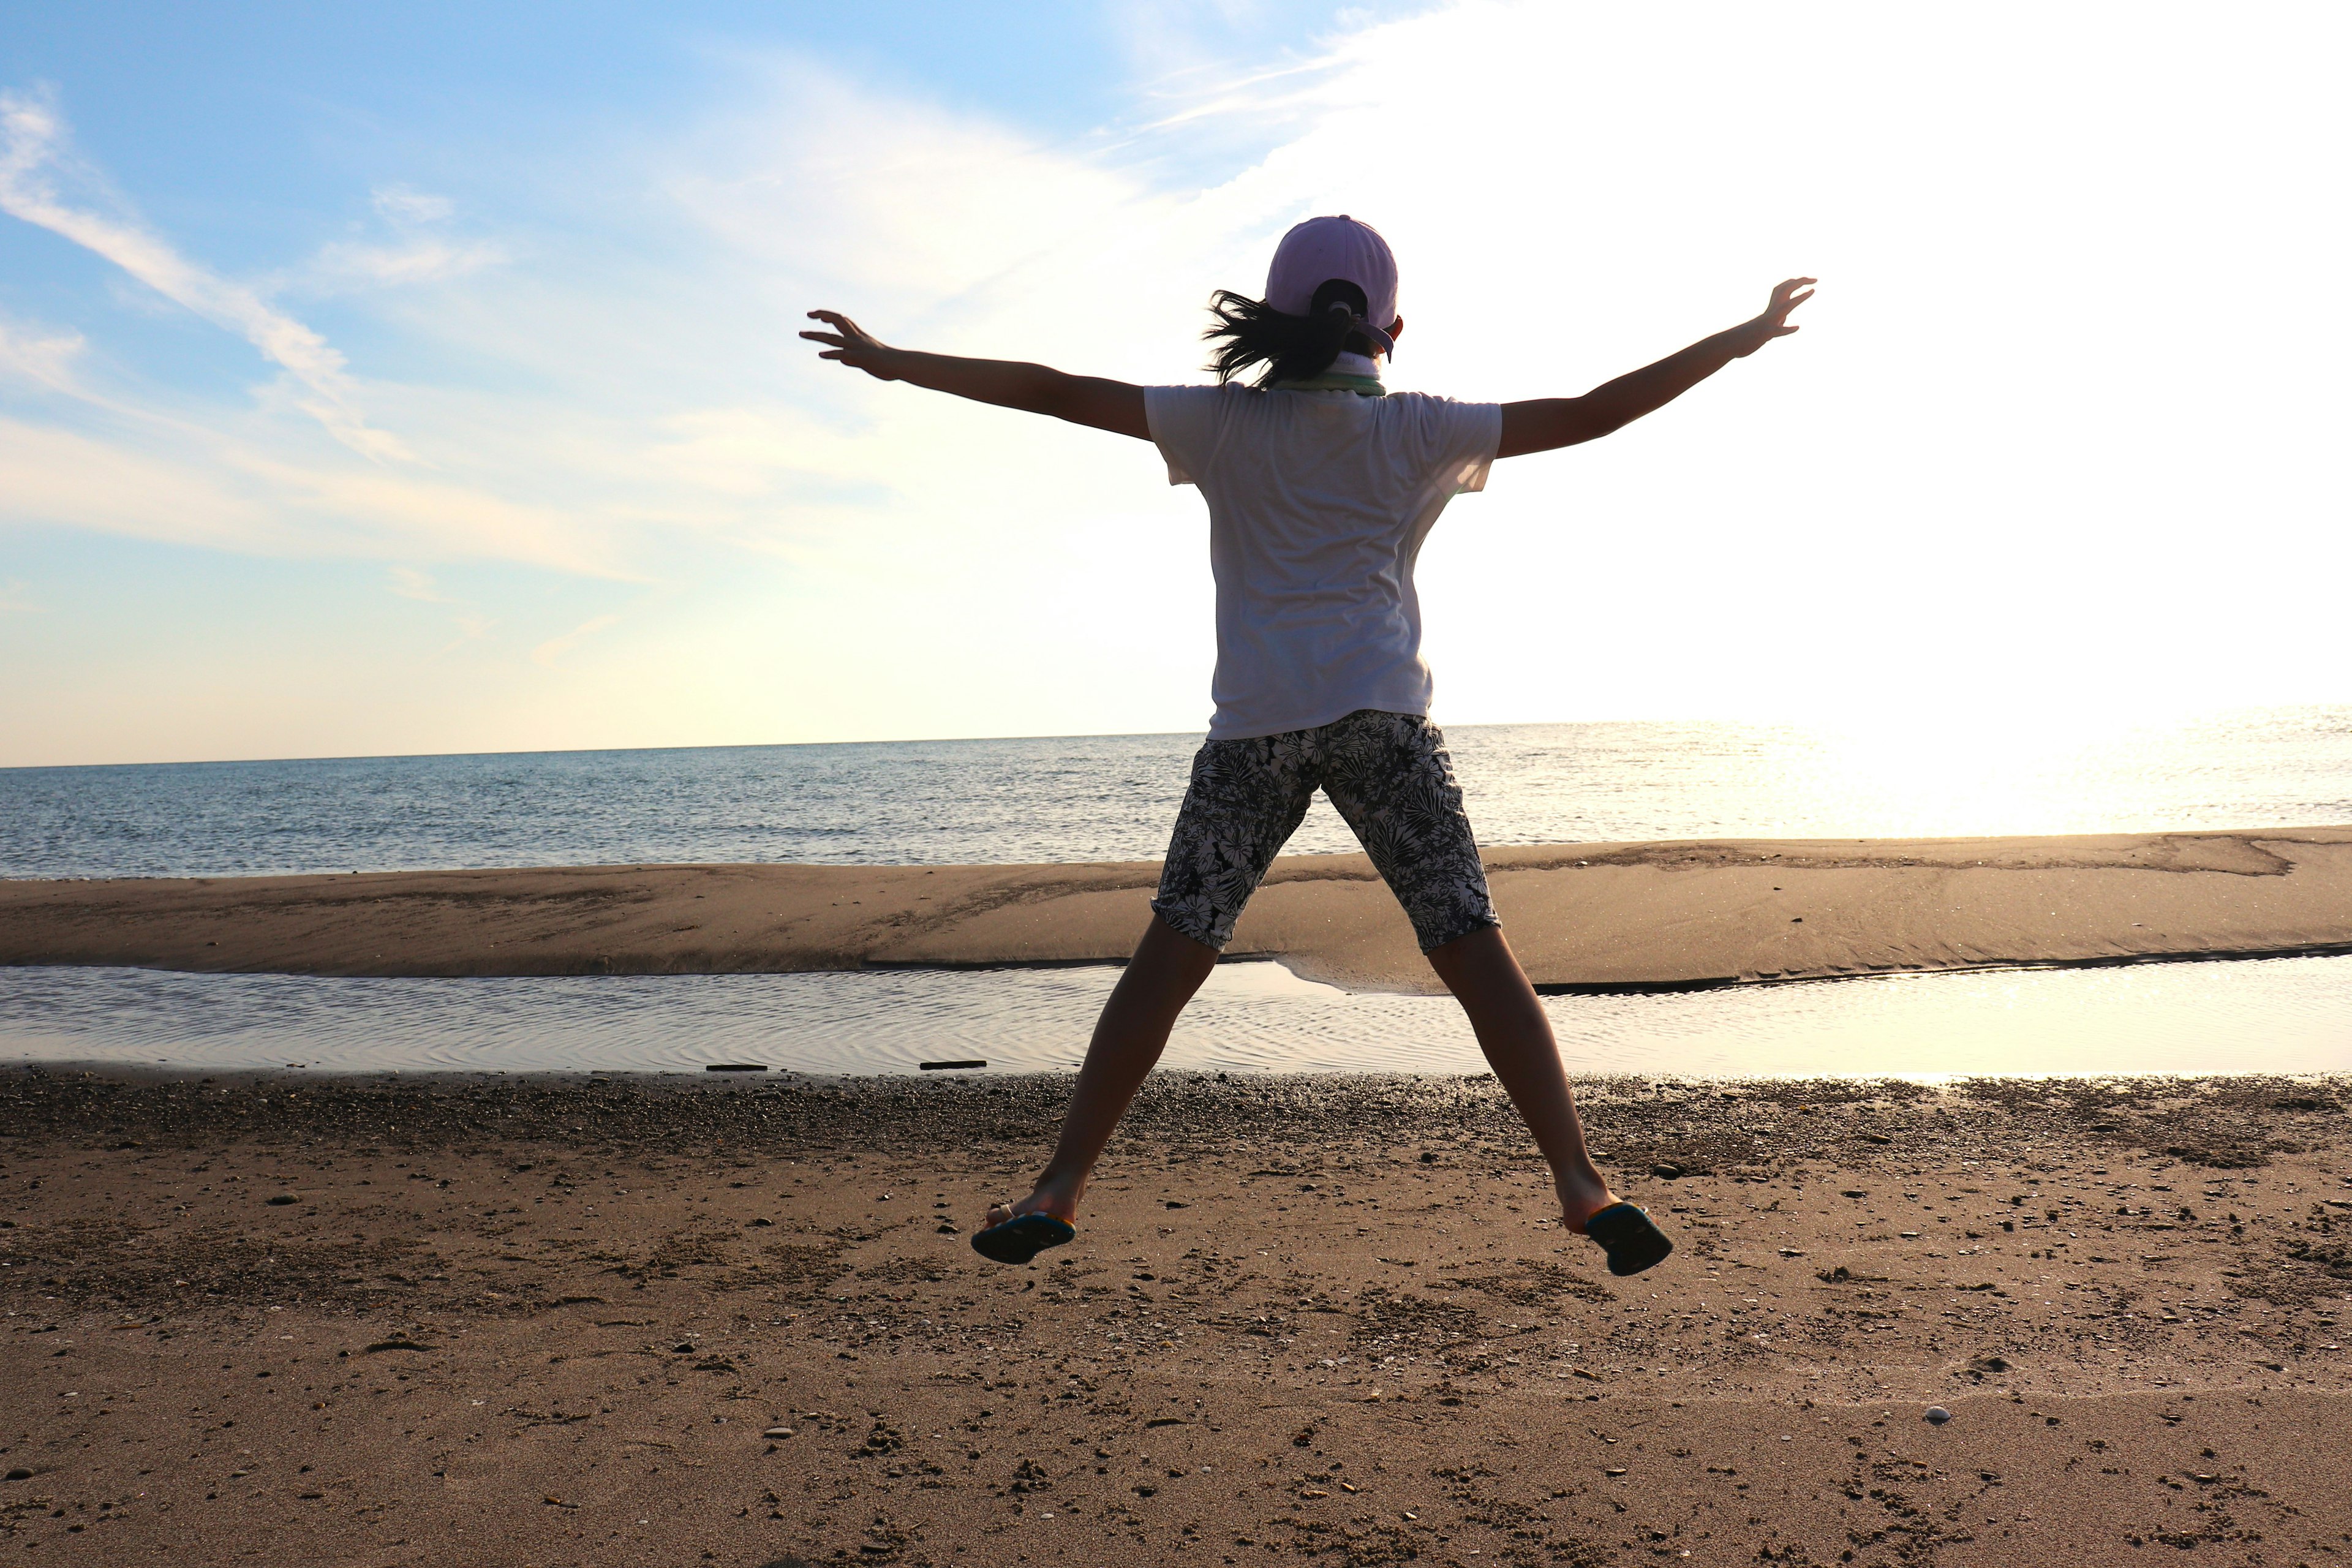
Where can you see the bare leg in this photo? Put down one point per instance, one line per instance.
(1516, 1034)
(1161, 978)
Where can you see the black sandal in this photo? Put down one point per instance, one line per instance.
(1021, 1237)
(1631, 1239)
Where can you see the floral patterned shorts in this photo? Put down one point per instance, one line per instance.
(1389, 777)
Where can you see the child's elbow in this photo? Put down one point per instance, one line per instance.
(1053, 393)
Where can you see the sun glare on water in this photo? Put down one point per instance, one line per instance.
(1964, 773)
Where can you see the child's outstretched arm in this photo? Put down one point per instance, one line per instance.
(1541, 424)
(1112, 406)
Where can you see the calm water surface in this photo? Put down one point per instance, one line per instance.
(2289, 1015)
(1112, 798)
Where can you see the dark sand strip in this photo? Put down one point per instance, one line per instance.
(1580, 915)
(422, 1322)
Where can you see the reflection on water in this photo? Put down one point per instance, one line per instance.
(2281, 1016)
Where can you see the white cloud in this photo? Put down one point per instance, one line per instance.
(409, 583)
(416, 254)
(1997, 391)
(32, 143)
(380, 513)
(16, 600)
(893, 195)
(348, 265)
(404, 204)
(549, 652)
(2017, 430)
(44, 357)
(239, 499)
(471, 628)
(63, 477)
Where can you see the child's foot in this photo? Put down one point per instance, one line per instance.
(1625, 1233)
(1016, 1233)
(1060, 1204)
(1581, 1197)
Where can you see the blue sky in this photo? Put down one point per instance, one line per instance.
(421, 379)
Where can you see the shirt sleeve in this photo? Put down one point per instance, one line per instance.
(1185, 423)
(1473, 432)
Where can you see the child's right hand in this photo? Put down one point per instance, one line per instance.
(1774, 321)
(853, 346)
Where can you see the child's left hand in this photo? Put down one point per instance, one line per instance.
(853, 345)
(1774, 321)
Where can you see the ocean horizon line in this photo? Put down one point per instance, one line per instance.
(1818, 721)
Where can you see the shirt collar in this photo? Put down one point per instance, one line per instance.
(1359, 374)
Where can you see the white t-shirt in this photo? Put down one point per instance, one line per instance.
(1319, 503)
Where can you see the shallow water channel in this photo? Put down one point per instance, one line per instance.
(2279, 1016)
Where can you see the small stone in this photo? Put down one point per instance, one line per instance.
(947, 1228)
(1667, 1172)
(777, 1432)
(20, 1474)
(282, 1199)
(1937, 1416)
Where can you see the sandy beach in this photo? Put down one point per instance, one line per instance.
(1590, 915)
(548, 1322)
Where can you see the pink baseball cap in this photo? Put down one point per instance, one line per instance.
(1323, 248)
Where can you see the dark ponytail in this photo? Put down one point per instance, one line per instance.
(1292, 348)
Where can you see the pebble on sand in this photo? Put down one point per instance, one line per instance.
(1937, 1416)
(777, 1432)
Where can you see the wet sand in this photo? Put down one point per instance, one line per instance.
(552, 1321)
(1593, 915)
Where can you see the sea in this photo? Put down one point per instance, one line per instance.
(1921, 773)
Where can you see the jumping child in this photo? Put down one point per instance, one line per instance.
(1321, 485)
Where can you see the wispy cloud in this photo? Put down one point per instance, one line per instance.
(205, 491)
(15, 601)
(43, 356)
(421, 252)
(345, 265)
(403, 203)
(385, 513)
(602, 379)
(33, 150)
(66, 478)
(547, 653)
(471, 628)
(411, 584)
